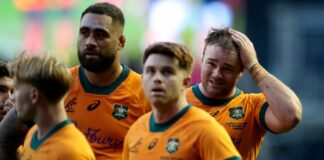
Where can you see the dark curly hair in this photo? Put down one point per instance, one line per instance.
(107, 9)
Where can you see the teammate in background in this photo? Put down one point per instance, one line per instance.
(41, 83)
(12, 130)
(246, 117)
(6, 89)
(174, 129)
(106, 97)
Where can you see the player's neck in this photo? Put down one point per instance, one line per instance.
(106, 77)
(166, 112)
(49, 117)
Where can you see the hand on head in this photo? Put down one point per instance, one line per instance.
(247, 51)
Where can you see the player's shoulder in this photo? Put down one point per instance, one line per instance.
(143, 119)
(198, 120)
(141, 123)
(199, 114)
(74, 70)
(30, 133)
(253, 95)
(133, 82)
(75, 146)
(250, 97)
(133, 77)
(74, 138)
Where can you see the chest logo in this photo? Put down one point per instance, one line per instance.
(173, 145)
(120, 112)
(152, 143)
(236, 112)
(134, 147)
(69, 106)
(93, 105)
(214, 113)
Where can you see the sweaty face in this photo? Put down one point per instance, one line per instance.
(22, 97)
(220, 72)
(163, 80)
(6, 89)
(99, 42)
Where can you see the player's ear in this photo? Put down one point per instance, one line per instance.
(122, 41)
(187, 81)
(34, 95)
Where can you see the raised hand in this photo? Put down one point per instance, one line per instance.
(247, 52)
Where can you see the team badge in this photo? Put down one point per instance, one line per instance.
(152, 144)
(237, 112)
(173, 145)
(120, 112)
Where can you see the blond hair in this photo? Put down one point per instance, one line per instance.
(43, 71)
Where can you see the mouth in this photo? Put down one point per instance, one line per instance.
(216, 84)
(157, 91)
(91, 54)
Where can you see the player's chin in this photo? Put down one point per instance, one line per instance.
(215, 92)
(213, 89)
(157, 101)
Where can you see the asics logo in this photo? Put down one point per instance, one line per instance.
(213, 114)
(93, 105)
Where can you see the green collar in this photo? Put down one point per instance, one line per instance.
(35, 142)
(104, 90)
(154, 127)
(210, 101)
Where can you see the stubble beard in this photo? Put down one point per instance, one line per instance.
(104, 62)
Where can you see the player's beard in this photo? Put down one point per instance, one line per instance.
(104, 61)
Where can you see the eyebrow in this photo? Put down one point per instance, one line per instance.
(225, 64)
(94, 28)
(163, 67)
(229, 65)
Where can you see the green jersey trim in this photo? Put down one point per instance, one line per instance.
(211, 102)
(104, 90)
(262, 116)
(155, 127)
(35, 142)
(234, 158)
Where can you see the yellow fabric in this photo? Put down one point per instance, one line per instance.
(68, 143)
(247, 132)
(190, 137)
(102, 129)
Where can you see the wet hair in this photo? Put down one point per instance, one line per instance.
(221, 37)
(107, 9)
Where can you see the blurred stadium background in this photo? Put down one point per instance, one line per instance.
(287, 34)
